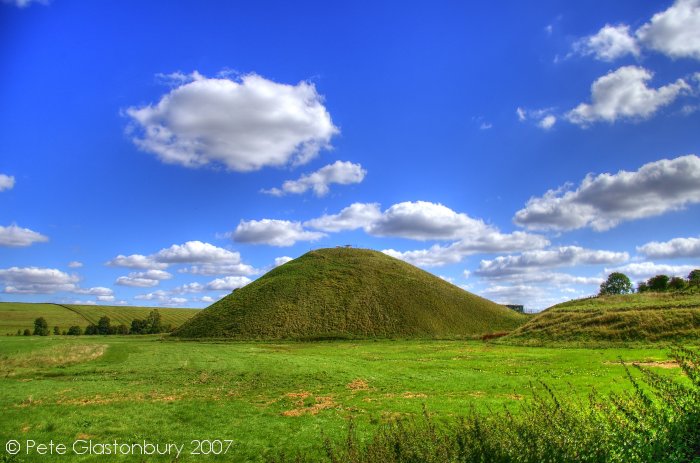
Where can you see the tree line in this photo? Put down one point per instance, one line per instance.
(619, 283)
(152, 324)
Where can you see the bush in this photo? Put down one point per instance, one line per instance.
(75, 330)
(41, 327)
(27, 332)
(91, 329)
(677, 284)
(56, 330)
(104, 326)
(121, 329)
(694, 278)
(658, 283)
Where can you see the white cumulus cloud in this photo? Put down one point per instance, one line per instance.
(273, 232)
(228, 283)
(15, 236)
(646, 270)
(144, 279)
(36, 280)
(7, 182)
(603, 201)
(75, 264)
(357, 215)
(676, 248)
(533, 261)
(624, 94)
(609, 43)
(674, 32)
(282, 260)
(243, 124)
(340, 173)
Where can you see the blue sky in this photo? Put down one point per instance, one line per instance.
(161, 153)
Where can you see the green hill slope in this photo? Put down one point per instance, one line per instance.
(631, 317)
(19, 315)
(349, 293)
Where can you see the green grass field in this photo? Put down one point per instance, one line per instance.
(274, 397)
(18, 315)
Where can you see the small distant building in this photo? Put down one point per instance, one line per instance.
(516, 307)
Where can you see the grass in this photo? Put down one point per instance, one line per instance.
(19, 315)
(667, 317)
(349, 293)
(278, 397)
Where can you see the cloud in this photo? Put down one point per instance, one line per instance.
(211, 260)
(189, 288)
(485, 126)
(282, 260)
(228, 283)
(143, 279)
(136, 261)
(99, 291)
(603, 201)
(273, 232)
(492, 241)
(340, 172)
(624, 94)
(35, 280)
(14, 236)
(244, 124)
(75, 264)
(357, 215)
(646, 270)
(163, 298)
(674, 32)
(609, 43)
(534, 261)
(676, 248)
(26, 3)
(542, 117)
(7, 182)
(547, 122)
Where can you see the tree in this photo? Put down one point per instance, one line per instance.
(642, 287)
(104, 325)
(27, 332)
(617, 283)
(41, 327)
(91, 329)
(56, 330)
(138, 326)
(694, 278)
(121, 329)
(75, 330)
(153, 322)
(676, 284)
(658, 283)
(19, 332)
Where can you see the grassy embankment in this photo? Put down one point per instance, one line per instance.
(18, 315)
(645, 317)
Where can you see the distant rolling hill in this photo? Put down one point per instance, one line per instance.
(349, 293)
(19, 315)
(631, 317)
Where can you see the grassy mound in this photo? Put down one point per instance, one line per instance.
(349, 293)
(631, 317)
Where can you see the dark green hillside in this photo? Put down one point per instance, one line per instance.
(630, 317)
(343, 292)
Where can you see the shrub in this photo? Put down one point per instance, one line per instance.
(75, 330)
(694, 278)
(104, 325)
(27, 332)
(41, 327)
(56, 330)
(91, 329)
(658, 283)
(122, 329)
(677, 284)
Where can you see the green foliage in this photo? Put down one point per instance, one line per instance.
(151, 325)
(75, 331)
(91, 330)
(617, 283)
(658, 283)
(694, 278)
(658, 421)
(41, 327)
(56, 330)
(676, 284)
(351, 293)
(27, 332)
(104, 326)
(632, 317)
